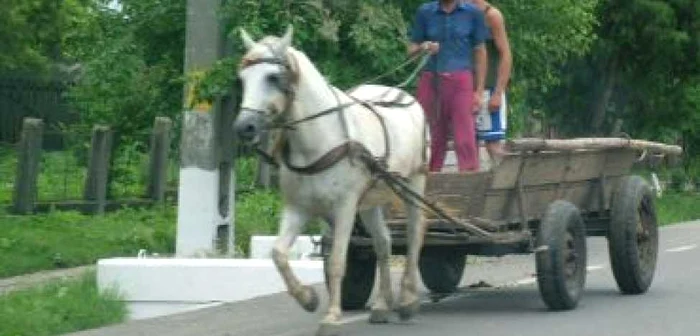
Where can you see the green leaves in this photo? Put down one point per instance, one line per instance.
(133, 66)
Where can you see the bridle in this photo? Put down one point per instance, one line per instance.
(286, 85)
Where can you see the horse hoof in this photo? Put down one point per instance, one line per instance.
(407, 311)
(328, 329)
(379, 316)
(312, 302)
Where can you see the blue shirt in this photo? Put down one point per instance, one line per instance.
(457, 32)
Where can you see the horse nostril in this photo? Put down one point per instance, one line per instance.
(247, 131)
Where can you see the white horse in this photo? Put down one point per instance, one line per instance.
(323, 129)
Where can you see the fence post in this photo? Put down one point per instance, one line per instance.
(98, 167)
(158, 159)
(29, 157)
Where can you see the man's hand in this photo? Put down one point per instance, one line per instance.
(495, 102)
(478, 97)
(432, 47)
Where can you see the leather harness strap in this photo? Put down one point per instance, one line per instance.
(350, 149)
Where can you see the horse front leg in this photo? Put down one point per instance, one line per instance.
(343, 221)
(291, 225)
(409, 302)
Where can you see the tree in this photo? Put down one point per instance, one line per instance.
(36, 34)
(649, 85)
(132, 66)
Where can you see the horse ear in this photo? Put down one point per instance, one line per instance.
(286, 40)
(247, 40)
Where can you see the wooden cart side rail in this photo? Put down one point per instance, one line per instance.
(538, 144)
(561, 166)
(460, 195)
(501, 205)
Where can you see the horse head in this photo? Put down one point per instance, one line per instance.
(268, 78)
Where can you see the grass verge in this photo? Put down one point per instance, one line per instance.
(63, 239)
(678, 207)
(67, 239)
(59, 307)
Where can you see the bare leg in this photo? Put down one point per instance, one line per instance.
(292, 223)
(373, 221)
(343, 223)
(496, 152)
(409, 303)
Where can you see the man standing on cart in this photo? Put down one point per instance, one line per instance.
(454, 33)
(491, 120)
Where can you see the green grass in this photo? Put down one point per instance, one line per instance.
(8, 163)
(66, 239)
(257, 213)
(61, 177)
(677, 207)
(59, 307)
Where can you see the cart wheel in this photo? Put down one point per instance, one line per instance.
(633, 240)
(358, 282)
(441, 269)
(561, 262)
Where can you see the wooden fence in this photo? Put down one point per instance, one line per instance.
(96, 181)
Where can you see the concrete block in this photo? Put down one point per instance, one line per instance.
(157, 286)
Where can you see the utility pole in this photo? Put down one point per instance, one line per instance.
(205, 223)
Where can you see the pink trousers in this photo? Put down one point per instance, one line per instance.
(450, 107)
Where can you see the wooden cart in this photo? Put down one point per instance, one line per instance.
(544, 199)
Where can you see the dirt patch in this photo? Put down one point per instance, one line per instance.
(35, 279)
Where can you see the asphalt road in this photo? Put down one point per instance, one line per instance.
(512, 305)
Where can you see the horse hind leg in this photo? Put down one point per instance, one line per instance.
(373, 221)
(409, 302)
(291, 225)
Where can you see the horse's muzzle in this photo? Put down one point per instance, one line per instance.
(247, 126)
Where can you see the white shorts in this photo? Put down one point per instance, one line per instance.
(491, 125)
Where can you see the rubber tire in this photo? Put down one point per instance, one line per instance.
(561, 220)
(441, 269)
(633, 275)
(358, 282)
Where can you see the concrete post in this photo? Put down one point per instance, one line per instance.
(205, 196)
(158, 159)
(97, 179)
(29, 158)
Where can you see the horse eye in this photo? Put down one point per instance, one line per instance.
(274, 79)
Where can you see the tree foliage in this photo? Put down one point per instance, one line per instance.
(36, 34)
(588, 67)
(643, 73)
(132, 65)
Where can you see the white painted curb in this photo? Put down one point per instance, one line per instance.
(164, 284)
